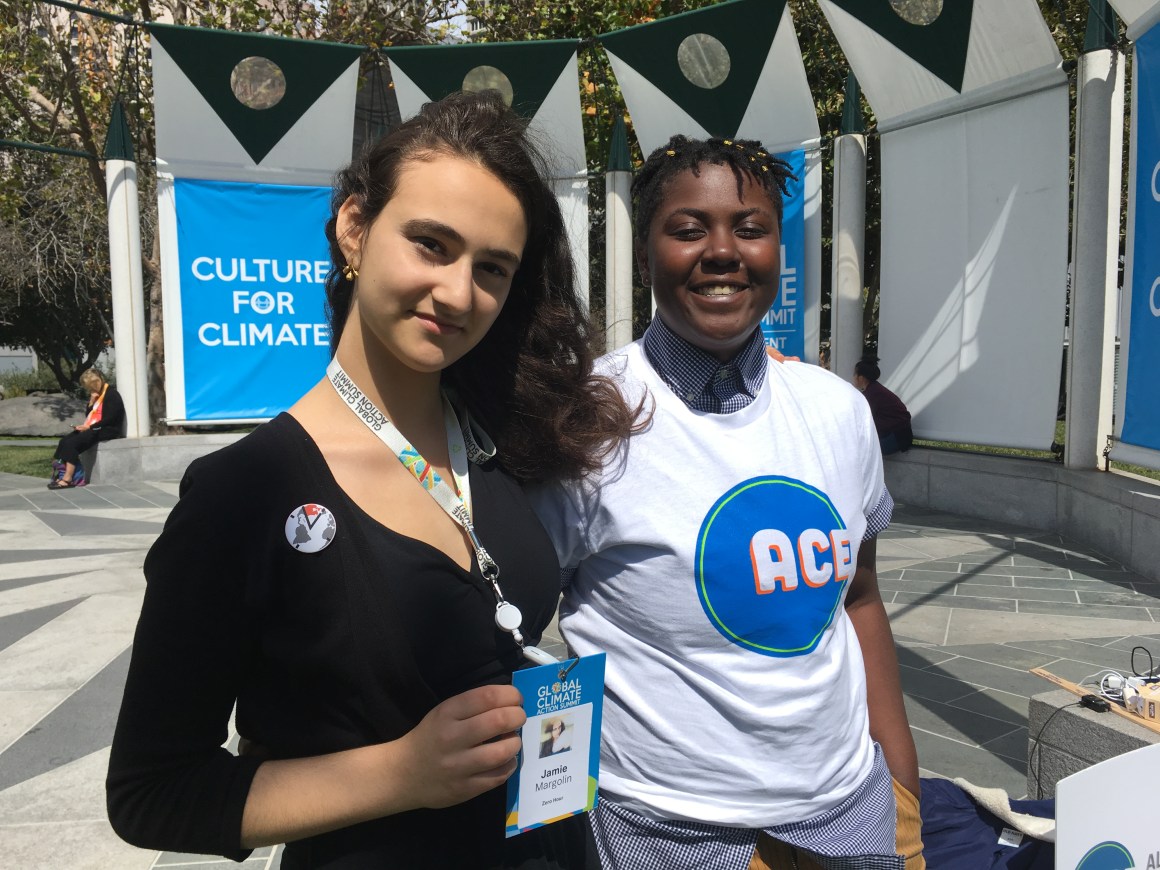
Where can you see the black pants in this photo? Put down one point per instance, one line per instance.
(895, 442)
(75, 443)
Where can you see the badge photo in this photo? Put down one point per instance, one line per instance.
(310, 528)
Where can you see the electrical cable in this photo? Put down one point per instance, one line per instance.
(1151, 672)
(1036, 745)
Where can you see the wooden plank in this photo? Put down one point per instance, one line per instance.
(1080, 691)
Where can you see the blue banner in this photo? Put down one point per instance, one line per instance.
(1141, 407)
(783, 326)
(253, 261)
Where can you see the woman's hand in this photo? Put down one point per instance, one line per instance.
(779, 357)
(464, 747)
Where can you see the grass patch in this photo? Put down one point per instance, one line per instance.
(999, 451)
(1150, 473)
(1060, 426)
(982, 448)
(33, 461)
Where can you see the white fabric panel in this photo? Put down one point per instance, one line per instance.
(1009, 39)
(188, 130)
(193, 142)
(559, 126)
(1133, 455)
(411, 97)
(572, 194)
(302, 149)
(974, 265)
(781, 114)
(1144, 23)
(1131, 10)
(171, 297)
(894, 83)
(655, 117)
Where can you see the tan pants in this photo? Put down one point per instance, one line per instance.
(773, 854)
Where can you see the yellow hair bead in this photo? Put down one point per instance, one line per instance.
(726, 141)
(671, 153)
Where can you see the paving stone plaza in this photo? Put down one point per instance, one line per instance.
(974, 605)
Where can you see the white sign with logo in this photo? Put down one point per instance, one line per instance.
(1106, 815)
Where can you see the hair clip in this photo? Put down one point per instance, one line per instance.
(726, 141)
(765, 169)
(762, 154)
(671, 153)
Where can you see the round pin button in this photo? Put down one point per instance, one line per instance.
(310, 528)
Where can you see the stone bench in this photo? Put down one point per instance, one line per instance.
(130, 460)
(1075, 739)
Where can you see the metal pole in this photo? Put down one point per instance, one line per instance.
(1095, 250)
(125, 275)
(618, 241)
(849, 254)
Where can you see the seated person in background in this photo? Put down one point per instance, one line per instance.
(891, 418)
(104, 420)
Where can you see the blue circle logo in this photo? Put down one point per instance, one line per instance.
(1108, 855)
(772, 557)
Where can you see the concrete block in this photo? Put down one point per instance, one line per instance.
(1145, 554)
(1096, 519)
(1062, 740)
(980, 491)
(153, 458)
(908, 480)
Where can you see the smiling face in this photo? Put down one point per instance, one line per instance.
(434, 268)
(713, 258)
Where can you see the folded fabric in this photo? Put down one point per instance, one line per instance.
(962, 832)
(999, 804)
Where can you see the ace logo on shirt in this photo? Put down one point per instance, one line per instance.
(772, 557)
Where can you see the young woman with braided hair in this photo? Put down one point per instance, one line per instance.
(311, 578)
(724, 559)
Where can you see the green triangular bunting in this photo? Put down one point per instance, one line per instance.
(532, 68)
(940, 46)
(118, 143)
(746, 28)
(619, 157)
(208, 57)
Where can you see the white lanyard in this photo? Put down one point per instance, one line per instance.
(457, 505)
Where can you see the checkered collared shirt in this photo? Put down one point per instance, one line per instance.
(703, 382)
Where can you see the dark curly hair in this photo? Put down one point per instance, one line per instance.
(680, 153)
(529, 381)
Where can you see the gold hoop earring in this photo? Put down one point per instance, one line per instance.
(349, 272)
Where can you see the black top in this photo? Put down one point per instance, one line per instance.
(326, 651)
(112, 423)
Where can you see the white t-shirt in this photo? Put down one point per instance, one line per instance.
(706, 569)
